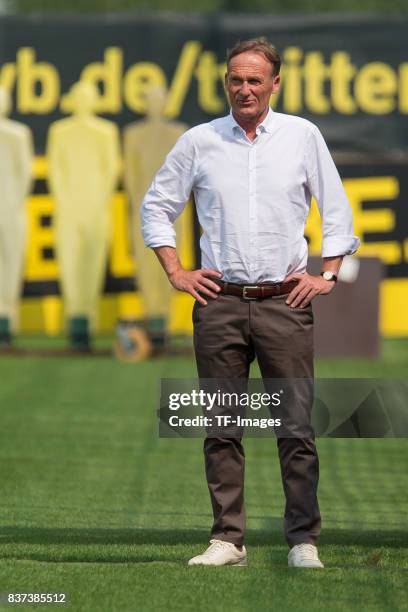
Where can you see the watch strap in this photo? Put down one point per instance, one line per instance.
(333, 276)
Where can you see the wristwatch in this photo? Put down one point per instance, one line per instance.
(329, 276)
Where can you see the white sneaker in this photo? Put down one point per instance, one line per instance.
(304, 555)
(221, 553)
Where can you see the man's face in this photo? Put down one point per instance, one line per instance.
(249, 84)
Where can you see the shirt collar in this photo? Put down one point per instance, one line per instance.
(265, 126)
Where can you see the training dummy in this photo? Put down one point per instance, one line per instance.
(16, 153)
(146, 144)
(83, 165)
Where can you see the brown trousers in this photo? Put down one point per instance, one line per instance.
(228, 334)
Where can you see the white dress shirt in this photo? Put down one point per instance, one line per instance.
(252, 197)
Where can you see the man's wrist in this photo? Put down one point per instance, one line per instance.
(173, 272)
(328, 275)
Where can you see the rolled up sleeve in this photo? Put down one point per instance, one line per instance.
(325, 185)
(168, 194)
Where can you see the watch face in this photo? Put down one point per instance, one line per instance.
(329, 275)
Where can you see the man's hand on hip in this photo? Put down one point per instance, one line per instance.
(307, 288)
(196, 281)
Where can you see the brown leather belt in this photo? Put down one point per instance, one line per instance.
(257, 292)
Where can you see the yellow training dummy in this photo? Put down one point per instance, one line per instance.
(146, 144)
(16, 152)
(83, 160)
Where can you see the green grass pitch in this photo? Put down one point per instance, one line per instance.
(94, 504)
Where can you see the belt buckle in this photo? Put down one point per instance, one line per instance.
(245, 289)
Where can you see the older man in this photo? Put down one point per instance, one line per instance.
(253, 174)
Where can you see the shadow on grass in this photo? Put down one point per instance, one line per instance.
(173, 537)
(160, 546)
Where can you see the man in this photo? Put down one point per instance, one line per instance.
(253, 174)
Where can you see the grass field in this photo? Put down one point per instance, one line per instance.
(94, 504)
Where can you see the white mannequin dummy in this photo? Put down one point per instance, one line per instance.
(83, 156)
(16, 153)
